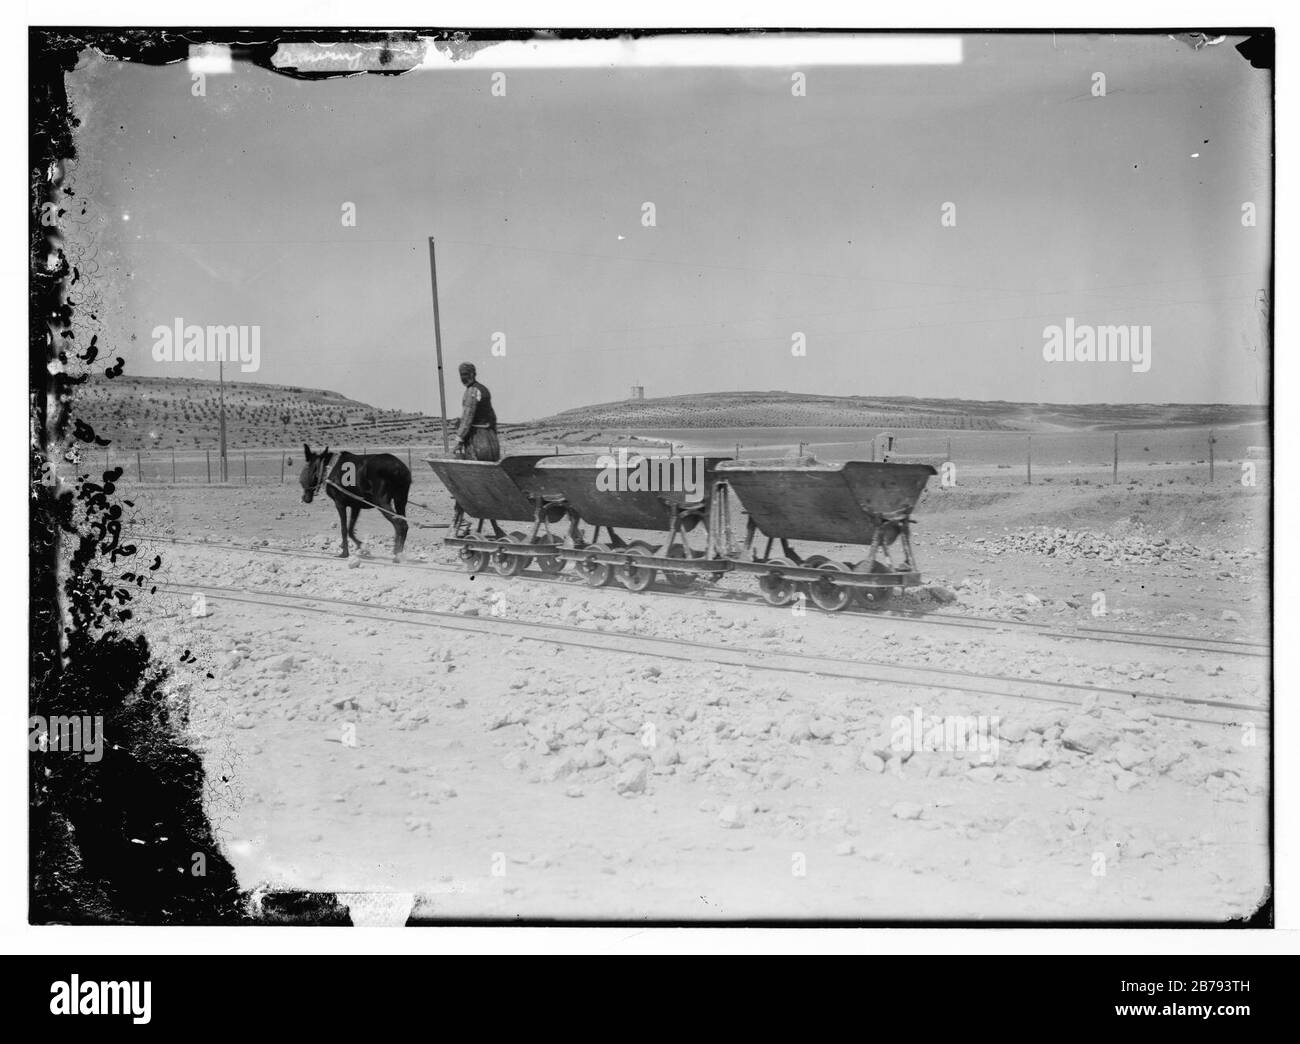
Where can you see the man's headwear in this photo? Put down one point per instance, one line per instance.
(467, 368)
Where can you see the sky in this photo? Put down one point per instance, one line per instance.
(775, 215)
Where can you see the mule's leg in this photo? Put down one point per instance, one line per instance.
(386, 509)
(343, 529)
(354, 511)
(400, 526)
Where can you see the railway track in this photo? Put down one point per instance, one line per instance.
(994, 624)
(623, 642)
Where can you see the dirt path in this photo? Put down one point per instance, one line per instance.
(497, 777)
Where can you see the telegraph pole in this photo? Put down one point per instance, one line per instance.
(437, 343)
(221, 384)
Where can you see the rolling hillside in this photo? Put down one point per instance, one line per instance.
(775, 409)
(181, 413)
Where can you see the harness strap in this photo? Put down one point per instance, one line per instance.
(390, 514)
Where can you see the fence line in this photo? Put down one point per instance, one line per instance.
(1046, 451)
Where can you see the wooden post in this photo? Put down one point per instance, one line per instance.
(282, 467)
(1029, 460)
(139, 468)
(737, 450)
(408, 457)
(208, 455)
(949, 455)
(1211, 454)
(221, 383)
(437, 343)
(1114, 470)
(173, 467)
(245, 467)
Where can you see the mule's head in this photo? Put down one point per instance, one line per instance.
(312, 476)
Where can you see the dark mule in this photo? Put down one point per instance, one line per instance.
(356, 483)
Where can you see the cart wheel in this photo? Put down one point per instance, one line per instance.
(825, 594)
(551, 565)
(777, 590)
(510, 565)
(679, 580)
(632, 576)
(873, 597)
(811, 562)
(596, 574)
(475, 561)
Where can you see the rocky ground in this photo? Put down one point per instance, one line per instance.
(499, 776)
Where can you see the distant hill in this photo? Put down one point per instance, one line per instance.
(776, 409)
(181, 413)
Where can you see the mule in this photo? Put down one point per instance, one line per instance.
(356, 483)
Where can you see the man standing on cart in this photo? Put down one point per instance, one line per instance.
(476, 436)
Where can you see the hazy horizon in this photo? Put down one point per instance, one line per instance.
(774, 215)
(722, 393)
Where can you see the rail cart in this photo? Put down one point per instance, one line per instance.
(578, 483)
(508, 490)
(856, 502)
